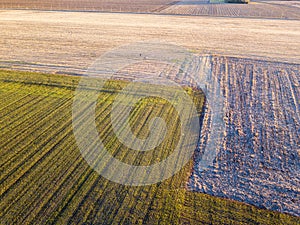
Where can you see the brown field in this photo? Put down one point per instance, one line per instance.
(88, 5)
(68, 42)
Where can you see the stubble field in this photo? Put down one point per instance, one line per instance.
(68, 42)
(256, 8)
(259, 158)
(89, 5)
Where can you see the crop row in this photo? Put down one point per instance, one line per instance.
(258, 159)
(258, 10)
(90, 5)
(45, 179)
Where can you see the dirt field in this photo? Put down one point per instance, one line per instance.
(254, 9)
(88, 5)
(258, 161)
(68, 42)
(286, 3)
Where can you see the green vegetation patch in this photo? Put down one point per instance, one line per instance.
(45, 180)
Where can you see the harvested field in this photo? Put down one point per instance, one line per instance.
(44, 178)
(68, 42)
(252, 10)
(88, 5)
(256, 9)
(258, 162)
(285, 3)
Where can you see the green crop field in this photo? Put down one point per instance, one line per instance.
(45, 180)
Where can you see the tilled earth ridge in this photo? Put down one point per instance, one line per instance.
(252, 10)
(88, 5)
(258, 161)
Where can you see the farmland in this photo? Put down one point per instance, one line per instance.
(261, 146)
(253, 53)
(72, 41)
(256, 9)
(88, 5)
(44, 178)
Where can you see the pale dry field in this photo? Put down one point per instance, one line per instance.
(88, 5)
(257, 9)
(285, 3)
(70, 41)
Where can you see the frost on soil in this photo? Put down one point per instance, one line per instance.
(258, 161)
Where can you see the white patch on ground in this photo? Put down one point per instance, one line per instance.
(258, 161)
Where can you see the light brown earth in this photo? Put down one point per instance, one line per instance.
(71, 41)
(256, 8)
(88, 5)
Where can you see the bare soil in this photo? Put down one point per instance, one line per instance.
(258, 9)
(87, 5)
(68, 42)
(258, 159)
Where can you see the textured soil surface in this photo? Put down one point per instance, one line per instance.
(68, 42)
(258, 160)
(88, 5)
(256, 8)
